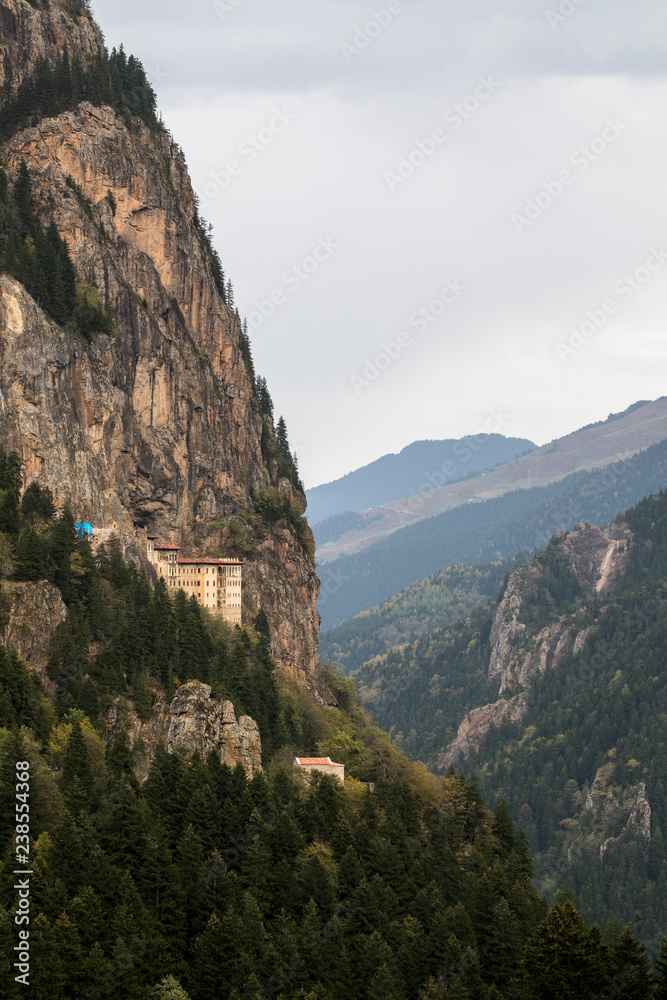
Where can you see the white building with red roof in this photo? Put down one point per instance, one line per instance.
(324, 764)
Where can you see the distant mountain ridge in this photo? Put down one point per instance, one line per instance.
(419, 466)
(520, 521)
(611, 440)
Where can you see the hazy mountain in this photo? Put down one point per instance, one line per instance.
(617, 437)
(519, 521)
(421, 465)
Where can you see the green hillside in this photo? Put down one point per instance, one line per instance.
(413, 613)
(590, 749)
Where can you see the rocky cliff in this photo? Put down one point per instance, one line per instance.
(477, 725)
(33, 612)
(193, 721)
(201, 723)
(157, 423)
(609, 806)
(519, 652)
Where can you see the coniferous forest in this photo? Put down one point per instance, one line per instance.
(179, 877)
(593, 731)
(159, 874)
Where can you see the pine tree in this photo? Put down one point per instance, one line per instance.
(63, 546)
(281, 435)
(168, 989)
(30, 556)
(77, 782)
(119, 760)
(633, 978)
(564, 960)
(661, 972)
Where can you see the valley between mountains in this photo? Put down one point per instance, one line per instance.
(456, 790)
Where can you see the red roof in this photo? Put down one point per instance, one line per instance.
(316, 762)
(167, 548)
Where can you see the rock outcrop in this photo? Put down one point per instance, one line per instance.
(199, 722)
(28, 34)
(519, 651)
(607, 806)
(34, 610)
(476, 726)
(516, 654)
(157, 424)
(597, 559)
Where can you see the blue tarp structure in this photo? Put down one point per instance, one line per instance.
(84, 530)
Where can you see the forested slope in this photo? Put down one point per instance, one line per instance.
(278, 886)
(200, 884)
(583, 765)
(414, 612)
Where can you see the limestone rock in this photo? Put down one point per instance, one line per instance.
(477, 724)
(199, 722)
(122, 715)
(157, 424)
(607, 806)
(518, 652)
(598, 559)
(34, 612)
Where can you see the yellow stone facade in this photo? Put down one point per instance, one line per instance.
(216, 583)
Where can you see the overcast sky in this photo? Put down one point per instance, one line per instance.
(371, 169)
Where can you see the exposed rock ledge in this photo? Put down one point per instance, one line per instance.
(34, 612)
(201, 723)
(477, 725)
(194, 721)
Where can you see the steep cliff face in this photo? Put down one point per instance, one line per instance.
(518, 651)
(200, 723)
(597, 559)
(34, 611)
(477, 725)
(609, 806)
(27, 34)
(194, 721)
(158, 423)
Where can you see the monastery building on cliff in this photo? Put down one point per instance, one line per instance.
(216, 583)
